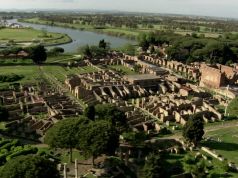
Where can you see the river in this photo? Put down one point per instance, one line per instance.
(79, 37)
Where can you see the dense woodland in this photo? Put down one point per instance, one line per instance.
(192, 48)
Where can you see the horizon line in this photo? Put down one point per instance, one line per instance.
(112, 10)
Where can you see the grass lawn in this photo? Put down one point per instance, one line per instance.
(61, 73)
(25, 35)
(63, 58)
(228, 147)
(64, 153)
(2, 125)
(122, 69)
(218, 167)
(90, 176)
(76, 155)
(29, 72)
(122, 30)
(15, 61)
(232, 109)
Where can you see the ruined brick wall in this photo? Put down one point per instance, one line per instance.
(211, 77)
(229, 71)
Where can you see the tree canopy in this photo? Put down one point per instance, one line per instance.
(89, 112)
(128, 49)
(38, 54)
(3, 113)
(64, 134)
(55, 51)
(110, 113)
(192, 48)
(153, 167)
(98, 137)
(30, 166)
(103, 44)
(95, 52)
(193, 130)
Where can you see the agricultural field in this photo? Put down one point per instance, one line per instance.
(29, 35)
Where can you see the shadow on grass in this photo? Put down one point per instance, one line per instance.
(215, 175)
(172, 156)
(225, 146)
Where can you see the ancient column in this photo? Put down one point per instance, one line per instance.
(76, 168)
(65, 170)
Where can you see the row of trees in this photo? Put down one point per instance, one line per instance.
(37, 53)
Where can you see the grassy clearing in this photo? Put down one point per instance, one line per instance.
(30, 73)
(29, 35)
(121, 30)
(2, 126)
(218, 167)
(65, 58)
(228, 145)
(232, 109)
(64, 153)
(122, 69)
(15, 61)
(76, 155)
(61, 73)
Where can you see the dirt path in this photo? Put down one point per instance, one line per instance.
(223, 125)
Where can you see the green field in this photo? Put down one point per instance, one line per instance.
(29, 35)
(228, 144)
(122, 69)
(29, 72)
(63, 58)
(61, 73)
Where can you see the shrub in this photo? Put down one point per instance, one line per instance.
(10, 78)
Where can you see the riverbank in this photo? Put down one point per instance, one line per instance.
(128, 33)
(28, 36)
(116, 32)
